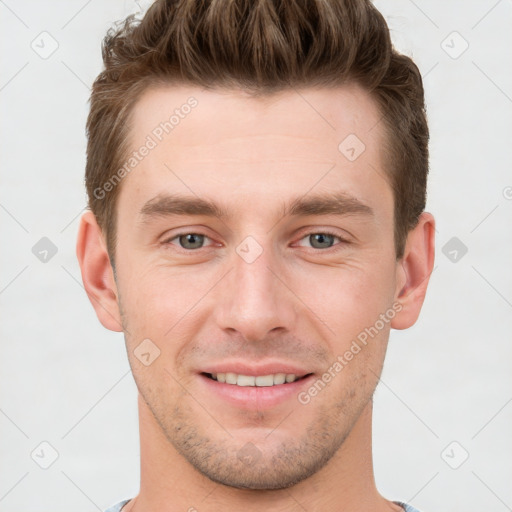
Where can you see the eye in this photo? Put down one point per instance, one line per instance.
(322, 240)
(189, 241)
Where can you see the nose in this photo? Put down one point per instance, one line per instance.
(255, 300)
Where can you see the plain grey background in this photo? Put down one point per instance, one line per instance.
(443, 409)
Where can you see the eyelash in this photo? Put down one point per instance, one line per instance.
(334, 248)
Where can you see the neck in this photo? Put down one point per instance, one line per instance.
(169, 483)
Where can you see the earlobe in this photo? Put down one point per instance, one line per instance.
(414, 274)
(97, 273)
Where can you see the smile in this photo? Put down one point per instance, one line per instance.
(255, 380)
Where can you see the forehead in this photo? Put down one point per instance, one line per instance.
(221, 142)
(322, 115)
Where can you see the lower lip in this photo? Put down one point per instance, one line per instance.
(256, 397)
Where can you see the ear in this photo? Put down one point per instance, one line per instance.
(97, 273)
(414, 272)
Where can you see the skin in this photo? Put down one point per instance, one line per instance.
(298, 302)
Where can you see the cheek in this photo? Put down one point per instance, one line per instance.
(348, 298)
(158, 301)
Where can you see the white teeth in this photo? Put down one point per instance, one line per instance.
(279, 378)
(230, 378)
(264, 380)
(251, 380)
(245, 380)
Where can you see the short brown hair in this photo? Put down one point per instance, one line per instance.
(261, 46)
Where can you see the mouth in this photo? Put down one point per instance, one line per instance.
(254, 385)
(270, 380)
(262, 391)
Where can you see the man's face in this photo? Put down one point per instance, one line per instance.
(277, 284)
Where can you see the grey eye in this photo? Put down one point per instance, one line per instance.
(321, 240)
(191, 241)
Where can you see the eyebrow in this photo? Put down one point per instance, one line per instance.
(339, 203)
(329, 204)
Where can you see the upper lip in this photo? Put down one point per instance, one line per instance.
(255, 369)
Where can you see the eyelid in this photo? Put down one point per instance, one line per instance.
(310, 231)
(324, 231)
(170, 239)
